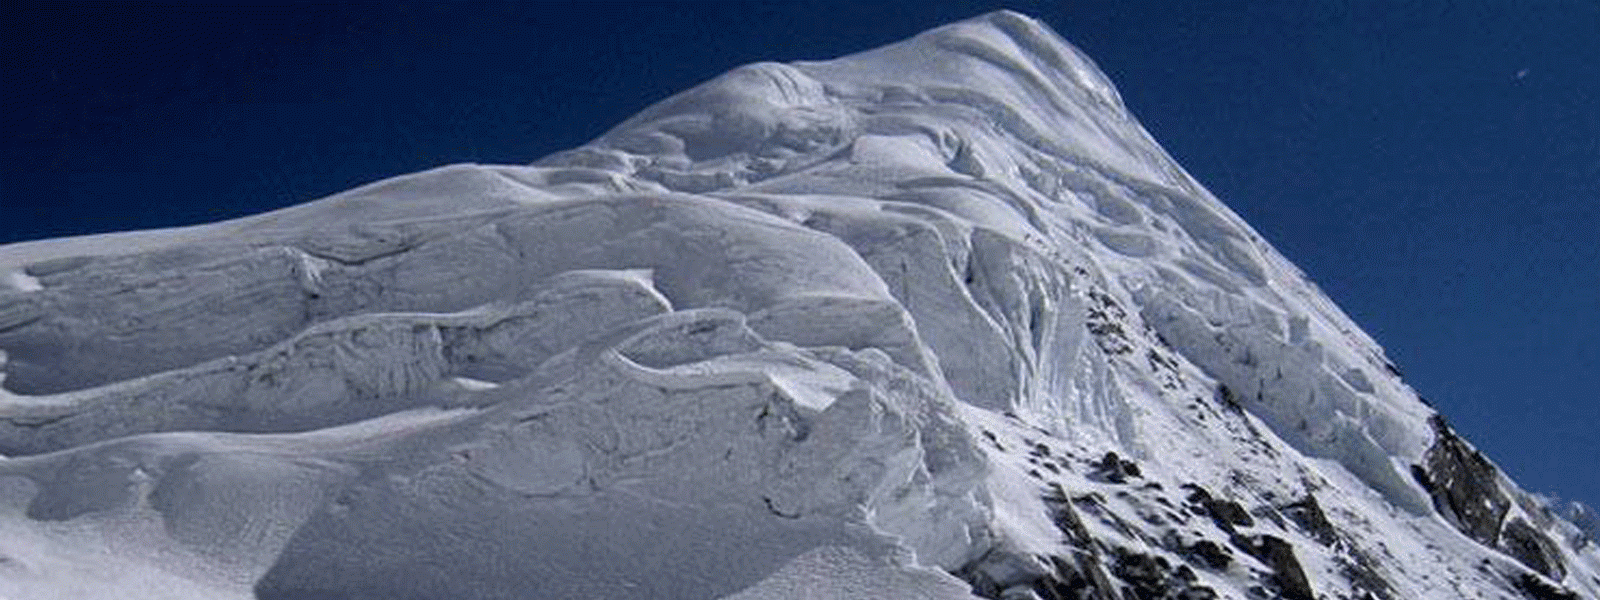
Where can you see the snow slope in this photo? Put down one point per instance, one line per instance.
(936, 320)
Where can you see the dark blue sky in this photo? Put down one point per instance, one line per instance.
(1433, 165)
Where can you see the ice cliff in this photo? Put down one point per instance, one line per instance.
(938, 320)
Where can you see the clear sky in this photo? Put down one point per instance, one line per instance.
(1434, 165)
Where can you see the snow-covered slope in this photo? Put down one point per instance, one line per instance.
(938, 320)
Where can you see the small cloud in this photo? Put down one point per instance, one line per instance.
(1522, 74)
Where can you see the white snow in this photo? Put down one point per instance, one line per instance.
(19, 281)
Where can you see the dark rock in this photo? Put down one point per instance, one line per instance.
(1230, 512)
(1079, 579)
(1208, 554)
(1423, 479)
(1115, 469)
(1533, 548)
(1362, 573)
(1308, 516)
(1537, 589)
(1153, 578)
(1462, 484)
(1079, 576)
(1228, 399)
(1278, 555)
(1225, 513)
(1065, 517)
(1141, 568)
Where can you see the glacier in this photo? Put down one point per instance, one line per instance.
(937, 320)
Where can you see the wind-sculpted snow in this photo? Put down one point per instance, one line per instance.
(938, 320)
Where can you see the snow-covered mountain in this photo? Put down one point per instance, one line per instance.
(938, 320)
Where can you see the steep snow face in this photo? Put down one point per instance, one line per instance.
(937, 320)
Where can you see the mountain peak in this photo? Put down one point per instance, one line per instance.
(934, 320)
(1014, 70)
(1004, 45)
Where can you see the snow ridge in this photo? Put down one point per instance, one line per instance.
(936, 320)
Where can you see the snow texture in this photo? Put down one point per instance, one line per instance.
(937, 320)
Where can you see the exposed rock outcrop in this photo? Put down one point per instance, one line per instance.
(1463, 484)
